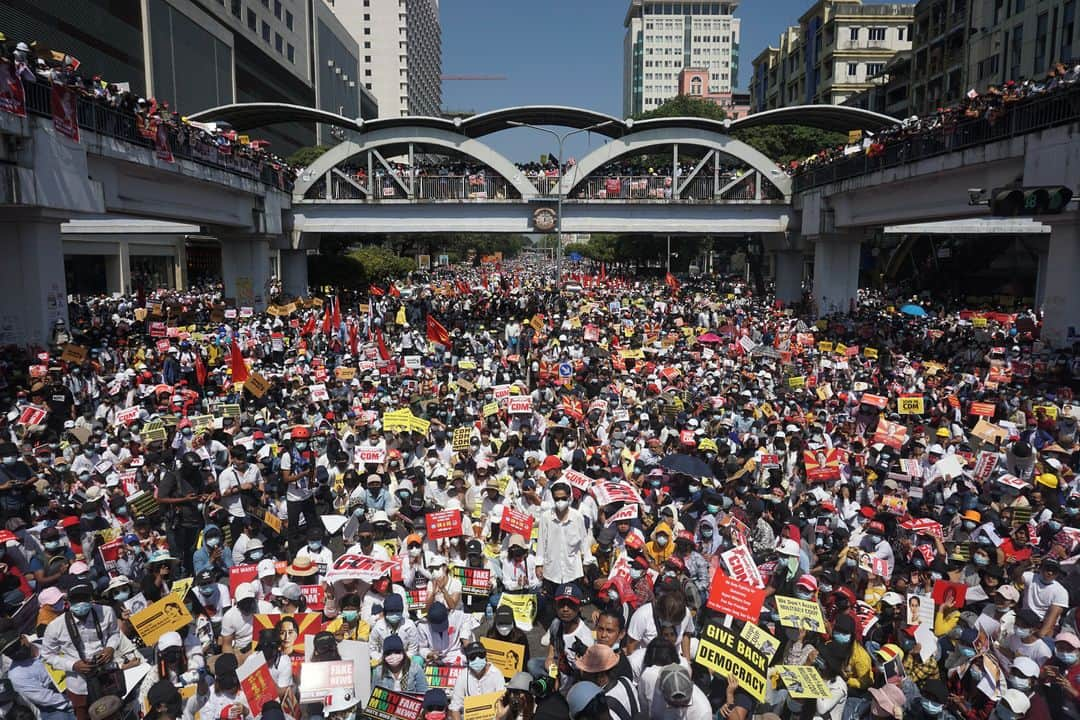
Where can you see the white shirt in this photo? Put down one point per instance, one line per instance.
(468, 685)
(1038, 598)
(643, 628)
(297, 491)
(58, 649)
(231, 478)
(236, 625)
(565, 546)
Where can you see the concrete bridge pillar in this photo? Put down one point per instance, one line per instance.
(294, 272)
(246, 269)
(1061, 298)
(836, 272)
(32, 275)
(789, 276)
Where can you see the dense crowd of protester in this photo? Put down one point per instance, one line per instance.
(640, 499)
(36, 65)
(990, 106)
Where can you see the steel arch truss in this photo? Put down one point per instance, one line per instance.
(764, 181)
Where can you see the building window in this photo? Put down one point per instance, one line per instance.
(877, 33)
(367, 44)
(367, 31)
(1017, 51)
(252, 23)
(288, 20)
(367, 73)
(695, 86)
(1068, 24)
(279, 43)
(265, 32)
(874, 69)
(290, 52)
(1020, 5)
(1040, 43)
(852, 69)
(900, 33)
(236, 8)
(277, 9)
(853, 33)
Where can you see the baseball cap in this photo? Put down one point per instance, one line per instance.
(392, 644)
(105, 708)
(169, 640)
(266, 568)
(675, 685)
(1068, 638)
(393, 603)
(244, 591)
(569, 591)
(1025, 666)
(435, 698)
(1017, 701)
(1009, 592)
(437, 617)
(520, 681)
(580, 695)
(597, 658)
(788, 547)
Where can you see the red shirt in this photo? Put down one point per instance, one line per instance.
(1012, 553)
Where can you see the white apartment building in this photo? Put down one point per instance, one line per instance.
(665, 36)
(400, 52)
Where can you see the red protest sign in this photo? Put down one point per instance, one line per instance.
(257, 684)
(314, 595)
(889, 433)
(241, 574)
(516, 522)
(12, 94)
(734, 598)
(982, 409)
(65, 119)
(443, 524)
(32, 415)
(945, 590)
(822, 465)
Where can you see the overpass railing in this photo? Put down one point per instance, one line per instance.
(186, 145)
(433, 188)
(1020, 118)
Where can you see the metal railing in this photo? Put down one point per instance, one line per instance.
(185, 144)
(1018, 118)
(433, 188)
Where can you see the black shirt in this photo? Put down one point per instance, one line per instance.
(174, 485)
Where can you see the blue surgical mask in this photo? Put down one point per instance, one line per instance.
(966, 651)
(842, 638)
(980, 561)
(1023, 633)
(301, 446)
(206, 590)
(122, 595)
(256, 555)
(52, 545)
(803, 595)
(1069, 658)
(478, 664)
(81, 609)
(661, 541)
(713, 509)
(350, 616)
(975, 673)
(931, 707)
(213, 542)
(315, 545)
(1054, 526)
(1019, 683)
(393, 618)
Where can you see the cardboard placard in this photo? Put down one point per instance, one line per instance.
(524, 607)
(474, 581)
(982, 409)
(319, 680)
(741, 566)
(239, 574)
(461, 438)
(944, 589)
(803, 681)
(482, 707)
(389, 705)
(167, 614)
(722, 652)
(272, 521)
(519, 405)
(256, 384)
(910, 404)
(443, 524)
(734, 598)
(800, 614)
(359, 567)
(508, 657)
(75, 354)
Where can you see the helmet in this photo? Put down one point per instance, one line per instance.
(300, 433)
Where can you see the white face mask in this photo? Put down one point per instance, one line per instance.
(438, 573)
(415, 552)
(561, 505)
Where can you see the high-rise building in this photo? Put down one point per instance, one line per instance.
(401, 50)
(198, 54)
(663, 37)
(831, 55)
(962, 45)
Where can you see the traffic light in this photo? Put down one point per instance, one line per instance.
(1029, 201)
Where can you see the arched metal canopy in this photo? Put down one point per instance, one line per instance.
(837, 118)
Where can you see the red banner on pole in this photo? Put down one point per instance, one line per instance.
(161, 144)
(734, 598)
(12, 94)
(63, 103)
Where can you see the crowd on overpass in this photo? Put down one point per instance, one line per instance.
(32, 64)
(991, 107)
(628, 499)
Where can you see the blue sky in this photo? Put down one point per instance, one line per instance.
(562, 52)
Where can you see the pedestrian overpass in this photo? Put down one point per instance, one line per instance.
(381, 178)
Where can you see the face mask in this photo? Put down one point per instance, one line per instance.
(969, 525)
(825, 588)
(9, 460)
(654, 483)
(1023, 633)
(803, 595)
(1054, 526)
(52, 545)
(81, 609)
(393, 618)
(350, 616)
(1019, 683)
(967, 651)
(931, 707)
(504, 630)
(842, 638)
(122, 595)
(301, 446)
(255, 555)
(706, 532)
(206, 590)
(985, 541)
(694, 488)
(415, 552)
(1068, 658)
(850, 562)
(981, 561)
(478, 664)
(661, 541)
(713, 509)
(315, 545)
(435, 715)
(394, 659)
(561, 505)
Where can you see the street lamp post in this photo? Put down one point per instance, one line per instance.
(559, 196)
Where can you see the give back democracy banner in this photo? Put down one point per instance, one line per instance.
(724, 652)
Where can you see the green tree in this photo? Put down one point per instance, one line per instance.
(685, 106)
(784, 143)
(305, 156)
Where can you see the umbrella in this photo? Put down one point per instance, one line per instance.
(913, 310)
(687, 465)
(709, 338)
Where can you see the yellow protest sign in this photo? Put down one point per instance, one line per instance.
(537, 323)
(344, 373)
(762, 641)
(59, 677)
(461, 437)
(840, 349)
(524, 607)
(979, 322)
(800, 614)
(824, 392)
(796, 382)
(398, 420)
(482, 707)
(180, 587)
(870, 353)
(825, 346)
(272, 521)
(632, 354)
(1050, 410)
(722, 652)
(506, 656)
(467, 365)
(803, 681)
(910, 404)
(491, 408)
(257, 385)
(166, 615)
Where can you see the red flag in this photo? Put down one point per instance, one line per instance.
(354, 338)
(603, 272)
(462, 287)
(484, 280)
(672, 283)
(326, 318)
(375, 290)
(436, 332)
(383, 352)
(200, 369)
(337, 313)
(236, 360)
(394, 292)
(309, 326)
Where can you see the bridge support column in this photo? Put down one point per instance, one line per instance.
(245, 269)
(836, 272)
(294, 272)
(1061, 301)
(32, 275)
(789, 276)
(1040, 277)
